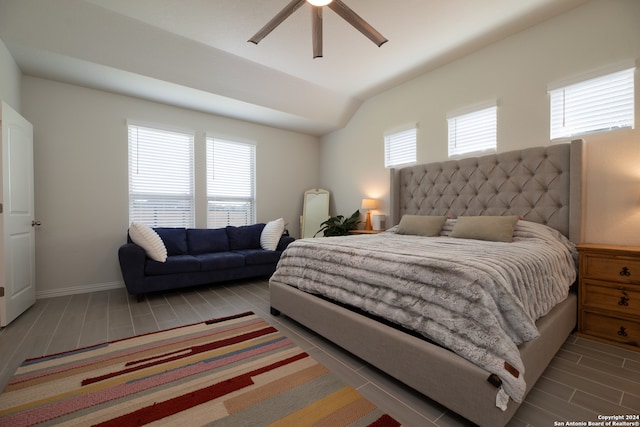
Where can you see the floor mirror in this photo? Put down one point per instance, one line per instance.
(315, 210)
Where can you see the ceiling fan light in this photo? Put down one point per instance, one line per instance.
(319, 2)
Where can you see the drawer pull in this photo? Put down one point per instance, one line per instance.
(622, 332)
(624, 300)
(625, 271)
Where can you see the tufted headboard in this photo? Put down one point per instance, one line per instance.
(541, 184)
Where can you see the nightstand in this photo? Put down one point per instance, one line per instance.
(365, 231)
(609, 294)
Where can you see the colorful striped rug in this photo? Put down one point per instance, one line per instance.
(235, 371)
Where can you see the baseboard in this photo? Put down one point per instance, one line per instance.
(73, 290)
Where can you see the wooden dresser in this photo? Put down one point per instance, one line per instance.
(609, 294)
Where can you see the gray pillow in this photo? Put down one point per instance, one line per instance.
(421, 225)
(492, 228)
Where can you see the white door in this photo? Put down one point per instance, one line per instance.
(17, 227)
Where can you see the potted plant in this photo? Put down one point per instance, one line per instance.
(339, 225)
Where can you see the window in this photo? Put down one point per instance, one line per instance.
(400, 147)
(161, 177)
(598, 104)
(473, 130)
(231, 185)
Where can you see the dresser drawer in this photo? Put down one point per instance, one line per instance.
(615, 269)
(611, 328)
(624, 299)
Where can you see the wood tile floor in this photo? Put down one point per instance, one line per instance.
(584, 380)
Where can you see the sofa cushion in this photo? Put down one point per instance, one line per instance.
(174, 264)
(244, 237)
(207, 240)
(175, 240)
(220, 260)
(259, 256)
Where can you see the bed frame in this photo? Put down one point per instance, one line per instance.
(542, 184)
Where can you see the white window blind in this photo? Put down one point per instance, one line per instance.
(400, 147)
(472, 131)
(161, 177)
(230, 183)
(596, 105)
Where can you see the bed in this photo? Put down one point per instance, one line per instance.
(540, 185)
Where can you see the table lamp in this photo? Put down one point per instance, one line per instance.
(368, 204)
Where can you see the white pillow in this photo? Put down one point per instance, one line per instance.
(145, 237)
(271, 234)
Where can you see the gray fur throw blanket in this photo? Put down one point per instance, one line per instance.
(479, 299)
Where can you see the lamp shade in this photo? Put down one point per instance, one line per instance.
(369, 204)
(319, 2)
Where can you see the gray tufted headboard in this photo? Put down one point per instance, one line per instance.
(541, 184)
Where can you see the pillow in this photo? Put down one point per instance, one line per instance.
(143, 236)
(492, 228)
(271, 234)
(421, 225)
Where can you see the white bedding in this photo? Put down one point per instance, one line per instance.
(479, 299)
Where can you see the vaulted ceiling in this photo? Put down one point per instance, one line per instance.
(195, 54)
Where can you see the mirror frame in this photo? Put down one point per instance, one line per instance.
(313, 213)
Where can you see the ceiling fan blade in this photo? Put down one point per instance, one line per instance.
(360, 24)
(316, 31)
(277, 20)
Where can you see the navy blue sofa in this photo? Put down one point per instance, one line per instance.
(197, 256)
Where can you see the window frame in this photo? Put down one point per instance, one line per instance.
(182, 196)
(600, 84)
(401, 146)
(247, 199)
(457, 147)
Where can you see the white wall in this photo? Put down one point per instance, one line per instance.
(10, 78)
(81, 189)
(516, 72)
(80, 142)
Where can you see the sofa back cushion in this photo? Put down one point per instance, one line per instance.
(244, 237)
(207, 240)
(175, 240)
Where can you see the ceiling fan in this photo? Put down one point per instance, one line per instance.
(316, 22)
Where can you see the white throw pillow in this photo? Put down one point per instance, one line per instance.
(271, 234)
(145, 237)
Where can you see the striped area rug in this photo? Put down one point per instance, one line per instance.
(235, 371)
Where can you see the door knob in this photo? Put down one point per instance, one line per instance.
(36, 223)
